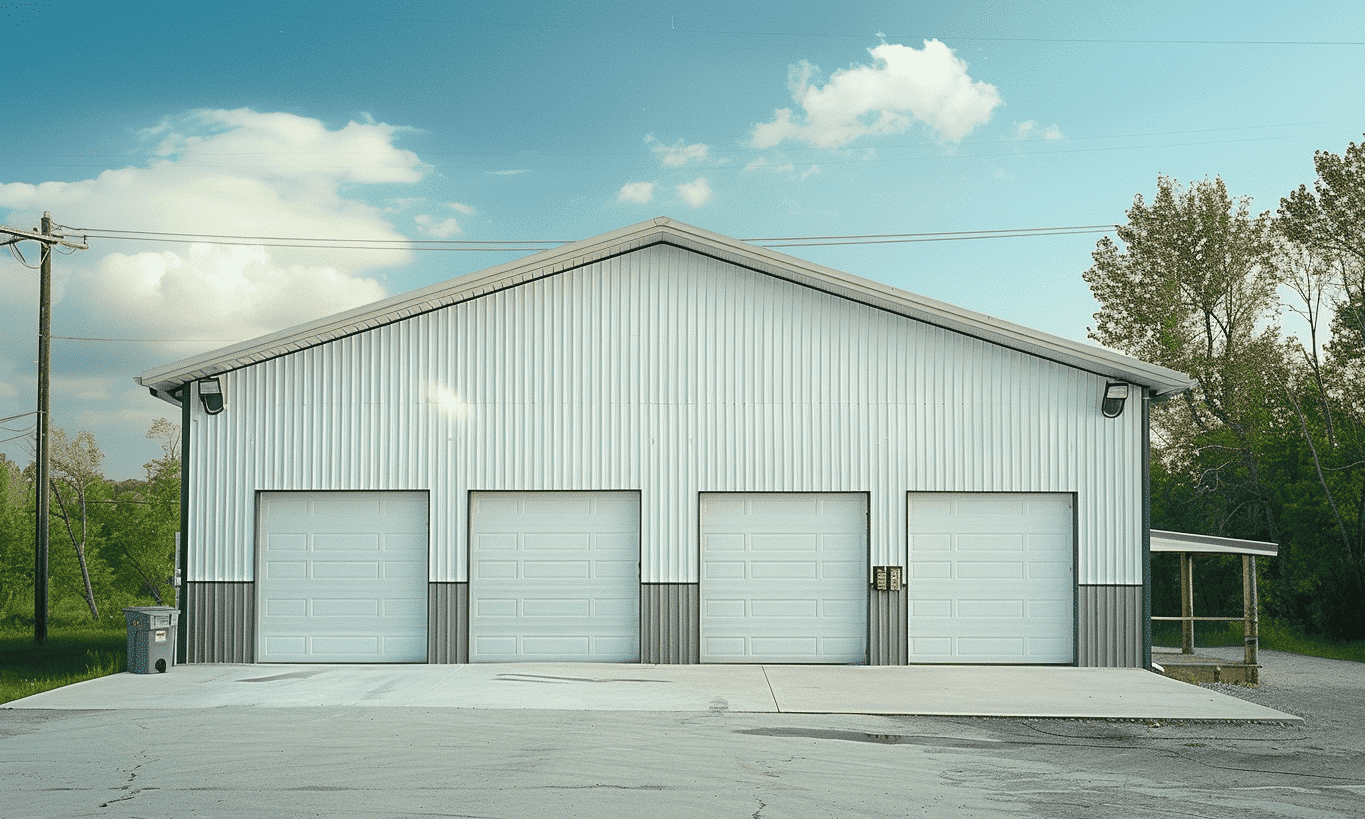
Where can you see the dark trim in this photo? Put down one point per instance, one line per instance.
(1146, 529)
(182, 636)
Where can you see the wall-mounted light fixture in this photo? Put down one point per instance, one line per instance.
(211, 395)
(1115, 393)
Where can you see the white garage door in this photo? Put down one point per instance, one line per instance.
(990, 578)
(784, 578)
(554, 576)
(343, 577)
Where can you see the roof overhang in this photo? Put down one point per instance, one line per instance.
(1163, 541)
(1162, 382)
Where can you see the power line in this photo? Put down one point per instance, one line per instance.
(523, 245)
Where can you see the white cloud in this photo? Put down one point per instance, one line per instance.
(904, 85)
(811, 171)
(695, 193)
(510, 172)
(443, 229)
(641, 192)
(1032, 130)
(228, 172)
(467, 210)
(679, 153)
(240, 173)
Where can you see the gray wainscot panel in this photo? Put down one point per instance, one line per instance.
(1110, 626)
(220, 622)
(448, 623)
(670, 623)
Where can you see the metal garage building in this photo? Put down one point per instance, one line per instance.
(664, 445)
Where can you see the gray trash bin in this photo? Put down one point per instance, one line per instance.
(151, 638)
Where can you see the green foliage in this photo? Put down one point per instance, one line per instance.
(1271, 445)
(111, 544)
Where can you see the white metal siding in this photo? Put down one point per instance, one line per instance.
(554, 576)
(989, 578)
(784, 578)
(674, 374)
(343, 577)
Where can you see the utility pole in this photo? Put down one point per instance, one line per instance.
(40, 490)
(40, 540)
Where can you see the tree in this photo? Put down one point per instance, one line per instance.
(1325, 228)
(76, 478)
(1193, 288)
(144, 518)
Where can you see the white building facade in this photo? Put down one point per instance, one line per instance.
(663, 445)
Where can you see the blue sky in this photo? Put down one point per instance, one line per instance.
(559, 121)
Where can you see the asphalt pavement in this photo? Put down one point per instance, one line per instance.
(239, 759)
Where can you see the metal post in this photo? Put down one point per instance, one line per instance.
(40, 486)
(1250, 619)
(1186, 603)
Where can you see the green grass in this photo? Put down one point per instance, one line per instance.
(1274, 637)
(68, 655)
(1277, 637)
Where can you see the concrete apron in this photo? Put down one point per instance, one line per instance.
(986, 691)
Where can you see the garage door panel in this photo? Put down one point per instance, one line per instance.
(405, 569)
(785, 608)
(716, 570)
(1012, 609)
(930, 571)
(991, 542)
(345, 542)
(284, 569)
(784, 578)
(343, 577)
(725, 608)
(346, 608)
(495, 570)
(786, 543)
(556, 541)
(843, 570)
(616, 569)
(554, 576)
(560, 607)
(991, 649)
(984, 570)
(347, 569)
(556, 570)
(990, 578)
(779, 570)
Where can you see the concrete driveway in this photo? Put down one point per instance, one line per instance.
(988, 691)
(535, 757)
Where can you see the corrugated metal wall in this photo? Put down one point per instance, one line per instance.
(674, 374)
(220, 622)
(448, 622)
(1111, 632)
(670, 623)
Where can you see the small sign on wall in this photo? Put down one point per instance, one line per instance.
(887, 578)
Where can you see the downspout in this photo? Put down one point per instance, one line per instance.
(1146, 530)
(182, 558)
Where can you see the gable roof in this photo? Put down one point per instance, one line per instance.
(1162, 381)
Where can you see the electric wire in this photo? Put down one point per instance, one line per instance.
(527, 245)
(18, 254)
